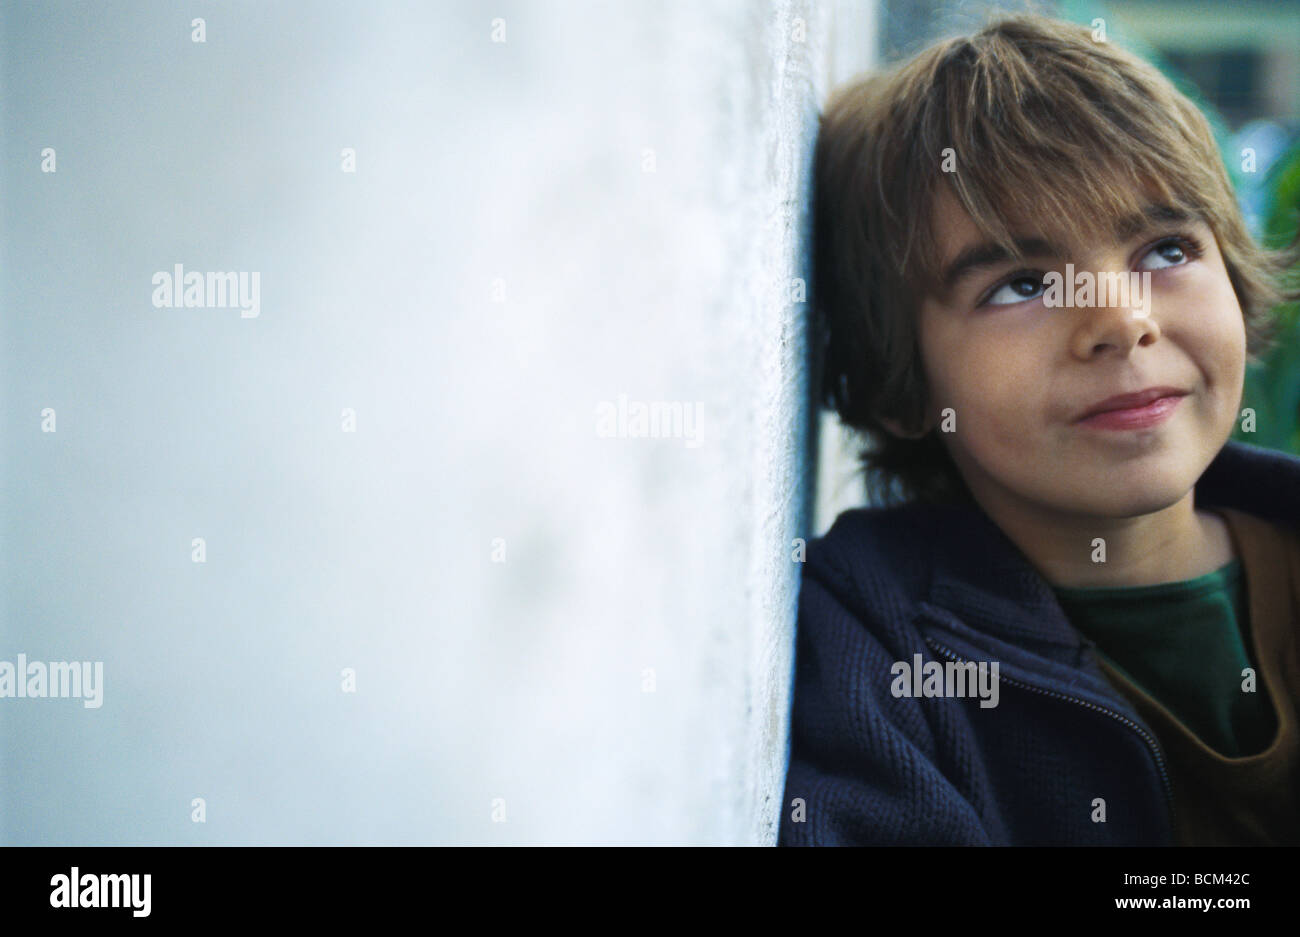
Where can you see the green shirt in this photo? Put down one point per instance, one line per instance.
(1185, 644)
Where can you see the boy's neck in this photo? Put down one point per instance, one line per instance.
(1170, 545)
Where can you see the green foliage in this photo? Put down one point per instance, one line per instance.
(1273, 387)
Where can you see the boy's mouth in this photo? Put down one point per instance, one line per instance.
(1139, 410)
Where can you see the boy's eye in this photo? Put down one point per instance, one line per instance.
(1020, 287)
(1172, 251)
(1024, 285)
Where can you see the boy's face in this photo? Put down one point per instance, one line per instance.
(1019, 374)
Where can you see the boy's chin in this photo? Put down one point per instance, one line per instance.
(1124, 498)
(1116, 494)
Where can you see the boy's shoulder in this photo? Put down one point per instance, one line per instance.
(870, 551)
(1259, 481)
(895, 567)
(868, 531)
(898, 531)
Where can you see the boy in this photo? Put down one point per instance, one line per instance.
(1078, 625)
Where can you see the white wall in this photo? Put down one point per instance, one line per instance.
(499, 264)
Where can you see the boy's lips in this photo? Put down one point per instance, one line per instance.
(1133, 411)
(1130, 401)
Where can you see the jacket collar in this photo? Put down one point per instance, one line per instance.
(979, 570)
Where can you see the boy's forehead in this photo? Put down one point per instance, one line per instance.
(956, 234)
(955, 229)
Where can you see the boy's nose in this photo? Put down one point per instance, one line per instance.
(1120, 325)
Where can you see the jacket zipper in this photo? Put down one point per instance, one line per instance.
(1151, 743)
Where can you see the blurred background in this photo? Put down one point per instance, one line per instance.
(485, 527)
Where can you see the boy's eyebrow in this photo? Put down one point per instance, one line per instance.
(987, 253)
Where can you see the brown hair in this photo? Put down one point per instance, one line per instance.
(1043, 123)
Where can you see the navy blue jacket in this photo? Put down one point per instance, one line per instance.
(945, 582)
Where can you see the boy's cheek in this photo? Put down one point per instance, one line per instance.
(1215, 334)
(1204, 297)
